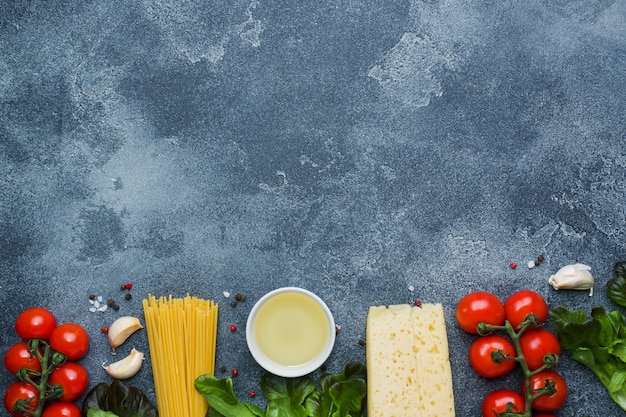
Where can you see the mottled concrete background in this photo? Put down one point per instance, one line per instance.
(354, 148)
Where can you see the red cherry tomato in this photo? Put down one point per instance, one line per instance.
(35, 323)
(18, 356)
(498, 401)
(61, 409)
(547, 402)
(522, 303)
(481, 360)
(536, 344)
(479, 307)
(20, 391)
(72, 377)
(71, 340)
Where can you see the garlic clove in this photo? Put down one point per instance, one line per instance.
(573, 277)
(121, 329)
(127, 367)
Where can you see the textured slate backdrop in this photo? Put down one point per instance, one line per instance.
(354, 148)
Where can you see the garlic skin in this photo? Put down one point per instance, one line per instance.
(573, 277)
(121, 329)
(127, 367)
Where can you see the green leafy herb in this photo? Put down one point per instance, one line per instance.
(118, 400)
(599, 342)
(617, 285)
(96, 412)
(341, 395)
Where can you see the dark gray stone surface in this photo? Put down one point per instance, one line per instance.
(353, 148)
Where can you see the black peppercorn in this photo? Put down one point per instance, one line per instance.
(233, 304)
(92, 296)
(111, 302)
(223, 368)
(540, 258)
(128, 296)
(361, 342)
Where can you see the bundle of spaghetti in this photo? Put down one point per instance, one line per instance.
(181, 336)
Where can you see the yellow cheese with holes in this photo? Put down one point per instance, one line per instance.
(408, 363)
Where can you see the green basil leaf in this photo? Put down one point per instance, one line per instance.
(119, 399)
(312, 404)
(220, 395)
(342, 395)
(598, 342)
(348, 395)
(617, 381)
(276, 387)
(618, 349)
(285, 407)
(616, 286)
(96, 412)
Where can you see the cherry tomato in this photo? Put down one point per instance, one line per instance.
(72, 377)
(20, 391)
(483, 363)
(545, 402)
(479, 307)
(61, 409)
(497, 401)
(71, 340)
(522, 303)
(18, 357)
(537, 343)
(35, 323)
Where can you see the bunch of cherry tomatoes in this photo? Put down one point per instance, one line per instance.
(48, 378)
(525, 342)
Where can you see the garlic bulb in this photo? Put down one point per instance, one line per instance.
(121, 329)
(127, 367)
(573, 277)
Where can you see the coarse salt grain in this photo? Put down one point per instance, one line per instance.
(411, 288)
(226, 294)
(96, 305)
(531, 264)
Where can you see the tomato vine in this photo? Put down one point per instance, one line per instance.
(39, 379)
(534, 348)
(43, 364)
(550, 360)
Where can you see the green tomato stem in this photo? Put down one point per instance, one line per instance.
(549, 361)
(49, 362)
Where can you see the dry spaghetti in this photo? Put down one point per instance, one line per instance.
(181, 335)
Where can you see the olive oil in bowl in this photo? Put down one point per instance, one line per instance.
(290, 332)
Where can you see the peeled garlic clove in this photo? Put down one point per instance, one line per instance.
(127, 367)
(573, 277)
(121, 329)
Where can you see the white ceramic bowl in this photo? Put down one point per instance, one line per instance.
(290, 332)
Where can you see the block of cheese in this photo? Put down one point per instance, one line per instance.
(408, 363)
